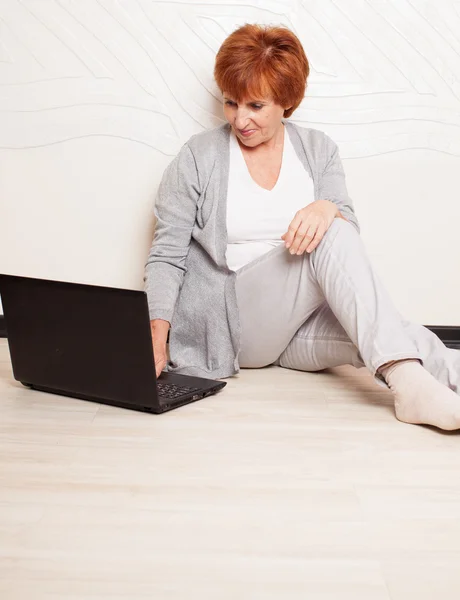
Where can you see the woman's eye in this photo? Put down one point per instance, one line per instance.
(255, 106)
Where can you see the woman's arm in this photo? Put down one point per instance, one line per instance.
(175, 209)
(311, 222)
(333, 185)
(159, 331)
(340, 216)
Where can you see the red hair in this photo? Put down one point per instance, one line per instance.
(257, 61)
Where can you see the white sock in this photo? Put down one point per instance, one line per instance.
(420, 398)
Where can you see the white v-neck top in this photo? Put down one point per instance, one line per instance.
(257, 217)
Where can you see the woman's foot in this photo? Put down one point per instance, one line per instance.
(419, 397)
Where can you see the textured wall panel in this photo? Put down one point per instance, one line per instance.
(127, 82)
(385, 75)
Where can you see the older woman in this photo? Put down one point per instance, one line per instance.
(257, 257)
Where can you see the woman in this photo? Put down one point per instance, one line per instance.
(257, 257)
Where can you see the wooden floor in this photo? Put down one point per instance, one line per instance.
(286, 485)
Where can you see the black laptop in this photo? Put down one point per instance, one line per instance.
(90, 342)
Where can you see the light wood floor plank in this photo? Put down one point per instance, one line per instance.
(286, 485)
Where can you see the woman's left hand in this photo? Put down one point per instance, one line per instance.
(309, 226)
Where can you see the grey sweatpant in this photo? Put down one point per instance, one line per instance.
(329, 308)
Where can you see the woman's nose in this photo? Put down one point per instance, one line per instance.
(241, 118)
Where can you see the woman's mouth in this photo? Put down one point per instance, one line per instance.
(247, 132)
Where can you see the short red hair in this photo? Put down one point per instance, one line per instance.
(256, 61)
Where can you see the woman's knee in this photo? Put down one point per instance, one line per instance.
(339, 232)
(340, 227)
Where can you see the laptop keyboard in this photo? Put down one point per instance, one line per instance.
(170, 391)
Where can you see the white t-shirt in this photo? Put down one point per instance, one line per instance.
(256, 217)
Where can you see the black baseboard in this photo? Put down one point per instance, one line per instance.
(450, 335)
(2, 327)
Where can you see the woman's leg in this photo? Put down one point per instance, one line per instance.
(439, 360)
(321, 342)
(278, 293)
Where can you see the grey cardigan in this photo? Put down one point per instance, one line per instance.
(187, 279)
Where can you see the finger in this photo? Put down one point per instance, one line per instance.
(303, 238)
(298, 239)
(290, 235)
(302, 230)
(310, 235)
(318, 237)
(159, 366)
(292, 230)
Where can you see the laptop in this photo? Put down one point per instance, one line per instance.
(90, 342)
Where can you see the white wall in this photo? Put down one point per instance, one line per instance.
(97, 97)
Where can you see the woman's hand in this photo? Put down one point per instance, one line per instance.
(159, 330)
(309, 225)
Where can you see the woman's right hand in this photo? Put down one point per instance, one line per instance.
(159, 330)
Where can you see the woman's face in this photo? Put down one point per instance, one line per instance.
(255, 120)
